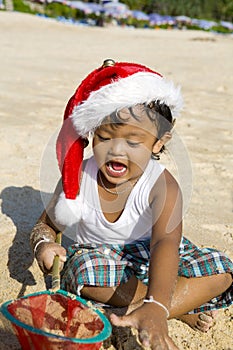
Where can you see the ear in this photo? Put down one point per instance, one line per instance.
(161, 142)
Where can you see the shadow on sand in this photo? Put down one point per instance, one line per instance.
(23, 205)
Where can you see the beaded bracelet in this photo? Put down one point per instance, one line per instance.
(43, 239)
(41, 233)
(152, 300)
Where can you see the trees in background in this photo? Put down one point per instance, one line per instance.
(208, 9)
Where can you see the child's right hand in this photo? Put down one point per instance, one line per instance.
(152, 326)
(46, 253)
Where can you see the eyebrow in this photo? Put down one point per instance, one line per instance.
(139, 133)
(130, 134)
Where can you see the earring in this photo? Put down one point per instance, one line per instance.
(155, 156)
(85, 142)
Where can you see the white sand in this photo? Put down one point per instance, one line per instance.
(42, 62)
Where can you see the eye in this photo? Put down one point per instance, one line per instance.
(103, 139)
(133, 143)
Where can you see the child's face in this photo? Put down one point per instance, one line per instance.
(123, 151)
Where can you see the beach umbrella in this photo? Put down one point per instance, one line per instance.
(155, 19)
(116, 5)
(203, 24)
(79, 5)
(169, 20)
(95, 8)
(227, 25)
(184, 19)
(116, 9)
(58, 1)
(140, 15)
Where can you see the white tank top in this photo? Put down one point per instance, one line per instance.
(134, 223)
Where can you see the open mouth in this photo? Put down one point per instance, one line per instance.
(116, 168)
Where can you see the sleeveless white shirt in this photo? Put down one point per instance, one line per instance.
(135, 222)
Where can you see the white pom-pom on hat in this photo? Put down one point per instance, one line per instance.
(68, 211)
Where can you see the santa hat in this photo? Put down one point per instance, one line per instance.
(111, 87)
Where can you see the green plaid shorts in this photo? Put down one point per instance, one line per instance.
(109, 265)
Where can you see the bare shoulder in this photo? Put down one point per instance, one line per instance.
(166, 185)
(170, 179)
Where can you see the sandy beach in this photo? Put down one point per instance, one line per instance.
(42, 62)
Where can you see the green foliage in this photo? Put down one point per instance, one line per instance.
(220, 29)
(130, 21)
(135, 5)
(20, 6)
(56, 9)
(208, 9)
(194, 27)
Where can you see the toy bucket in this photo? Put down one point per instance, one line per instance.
(53, 321)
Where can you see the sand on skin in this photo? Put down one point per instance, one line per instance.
(42, 63)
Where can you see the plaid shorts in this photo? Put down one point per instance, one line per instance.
(108, 265)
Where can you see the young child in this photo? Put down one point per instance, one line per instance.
(126, 209)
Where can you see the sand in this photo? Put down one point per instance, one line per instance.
(58, 316)
(42, 62)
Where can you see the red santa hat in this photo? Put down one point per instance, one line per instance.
(111, 87)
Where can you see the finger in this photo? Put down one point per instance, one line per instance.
(203, 326)
(58, 250)
(171, 345)
(61, 265)
(205, 317)
(43, 268)
(62, 258)
(122, 321)
(144, 338)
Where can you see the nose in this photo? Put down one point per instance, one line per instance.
(117, 147)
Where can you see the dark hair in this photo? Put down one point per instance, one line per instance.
(159, 113)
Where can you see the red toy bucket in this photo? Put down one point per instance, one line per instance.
(53, 321)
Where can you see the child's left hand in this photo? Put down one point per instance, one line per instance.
(151, 322)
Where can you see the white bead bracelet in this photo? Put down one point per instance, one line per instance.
(152, 300)
(44, 239)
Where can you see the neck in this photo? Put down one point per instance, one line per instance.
(125, 187)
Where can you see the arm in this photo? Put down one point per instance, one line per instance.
(151, 319)
(43, 236)
(165, 240)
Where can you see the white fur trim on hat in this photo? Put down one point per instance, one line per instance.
(141, 87)
(68, 211)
